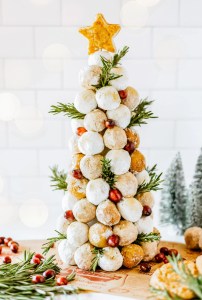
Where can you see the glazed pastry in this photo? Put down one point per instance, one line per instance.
(83, 256)
(107, 213)
(77, 187)
(91, 166)
(132, 100)
(62, 224)
(76, 158)
(138, 163)
(130, 209)
(66, 252)
(73, 144)
(146, 199)
(121, 82)
(95, 120)
(91, 143)
(68, 201)
(133, 136)
(126, 231)
(98, 235)
(143, 177)
(121, 115)
(84, 211)
(145, 225)
(132, 255)
(126, 184)
(120, 161)
(85, 101)
(192, 236)
(150, 250)
(89, 77)
(97, 190)
(75, 124)
(108, 98)
(95, 58)
(111, 260)
(77, 233)
(115, 138)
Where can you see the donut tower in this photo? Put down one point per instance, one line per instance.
(108, 217)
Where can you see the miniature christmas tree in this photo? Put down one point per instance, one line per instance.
(107, 219)
(174, 197)
(194, 205)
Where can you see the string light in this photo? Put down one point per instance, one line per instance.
(33, 213)
(134, 15)
(9, 106)
(54, 56)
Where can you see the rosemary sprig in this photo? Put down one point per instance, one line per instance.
(153, 184)
(51, 241)
(107, 173)
(58, 179)
(15, 280)
(141, 114)
(67, 109)
(107, 66)
(98, 253)
(150, 237)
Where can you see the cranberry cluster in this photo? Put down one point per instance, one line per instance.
(8, 242)
(164, 252)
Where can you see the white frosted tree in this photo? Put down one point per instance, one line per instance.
(194, 204)
(174, 196)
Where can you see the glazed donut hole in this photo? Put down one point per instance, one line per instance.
(75, 124)
(111, 260)
(77, 233)
(146, 199)
(95, 58)
(115, 138)
(138, 163)
(132, 255)
(145, 225)
(133, 99)
(98, 235)
(130, 209)
(76, 158)
(192, 236)
(107, 98)
(142, 177)
(121, 82)
(73, 144)
(84, 211)
(91, 166)
(120, 161)
(89, 77)
(77, 187)
(107, 213)
(150, 250)
(62, 223)
(68, 201)
(121, 115)
(133, 136)
(85, 101)
(95, 120)
(91, 143)
(83, 256)
(97, 191)
(126, 231)
(126, 184)
(66, 252)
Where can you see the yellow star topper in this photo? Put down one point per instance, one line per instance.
(100, 35)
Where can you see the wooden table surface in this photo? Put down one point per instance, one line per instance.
(128, 283)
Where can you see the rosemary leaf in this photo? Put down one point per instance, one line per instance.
(98, 253)
(67, 109)
(141, 114)
(107, 173)
(51, 241)
(153, 184)
(150, 237)
(58, 179)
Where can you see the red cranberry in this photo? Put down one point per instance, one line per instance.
(38, 278)
(113, 240)
(0, 249)
(165, 260)
(12, 242)
(2, 238)
(39, 256)
(35, 261)
(7, 240)
(109, 123)
(62, 280)
(159, 257)
(14, 248)
(7, 260)
(146, 210)
(145, 267)
(49, 274)
(123, 94)
(69, 215)
(164, 250)
(130, 147)
(173, 252)
(77, 174)
(80, 131)
(115, 195)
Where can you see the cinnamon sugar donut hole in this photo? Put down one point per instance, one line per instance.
(138, 162)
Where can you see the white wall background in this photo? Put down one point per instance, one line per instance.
(40, 56)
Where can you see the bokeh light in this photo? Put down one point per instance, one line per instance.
(148, 3)
(9, 106)
(29, 121)
(33, 213)
(6, 212)
(54, 56)
(134, 15)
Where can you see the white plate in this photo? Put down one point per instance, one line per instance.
(91, 296)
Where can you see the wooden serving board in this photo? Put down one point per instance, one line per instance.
(125, 282)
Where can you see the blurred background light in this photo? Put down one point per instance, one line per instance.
(148, 3)
(54, 56)
(33, 213)
(9, 106)
(29, 121)
(6, 212)
(134, 15)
